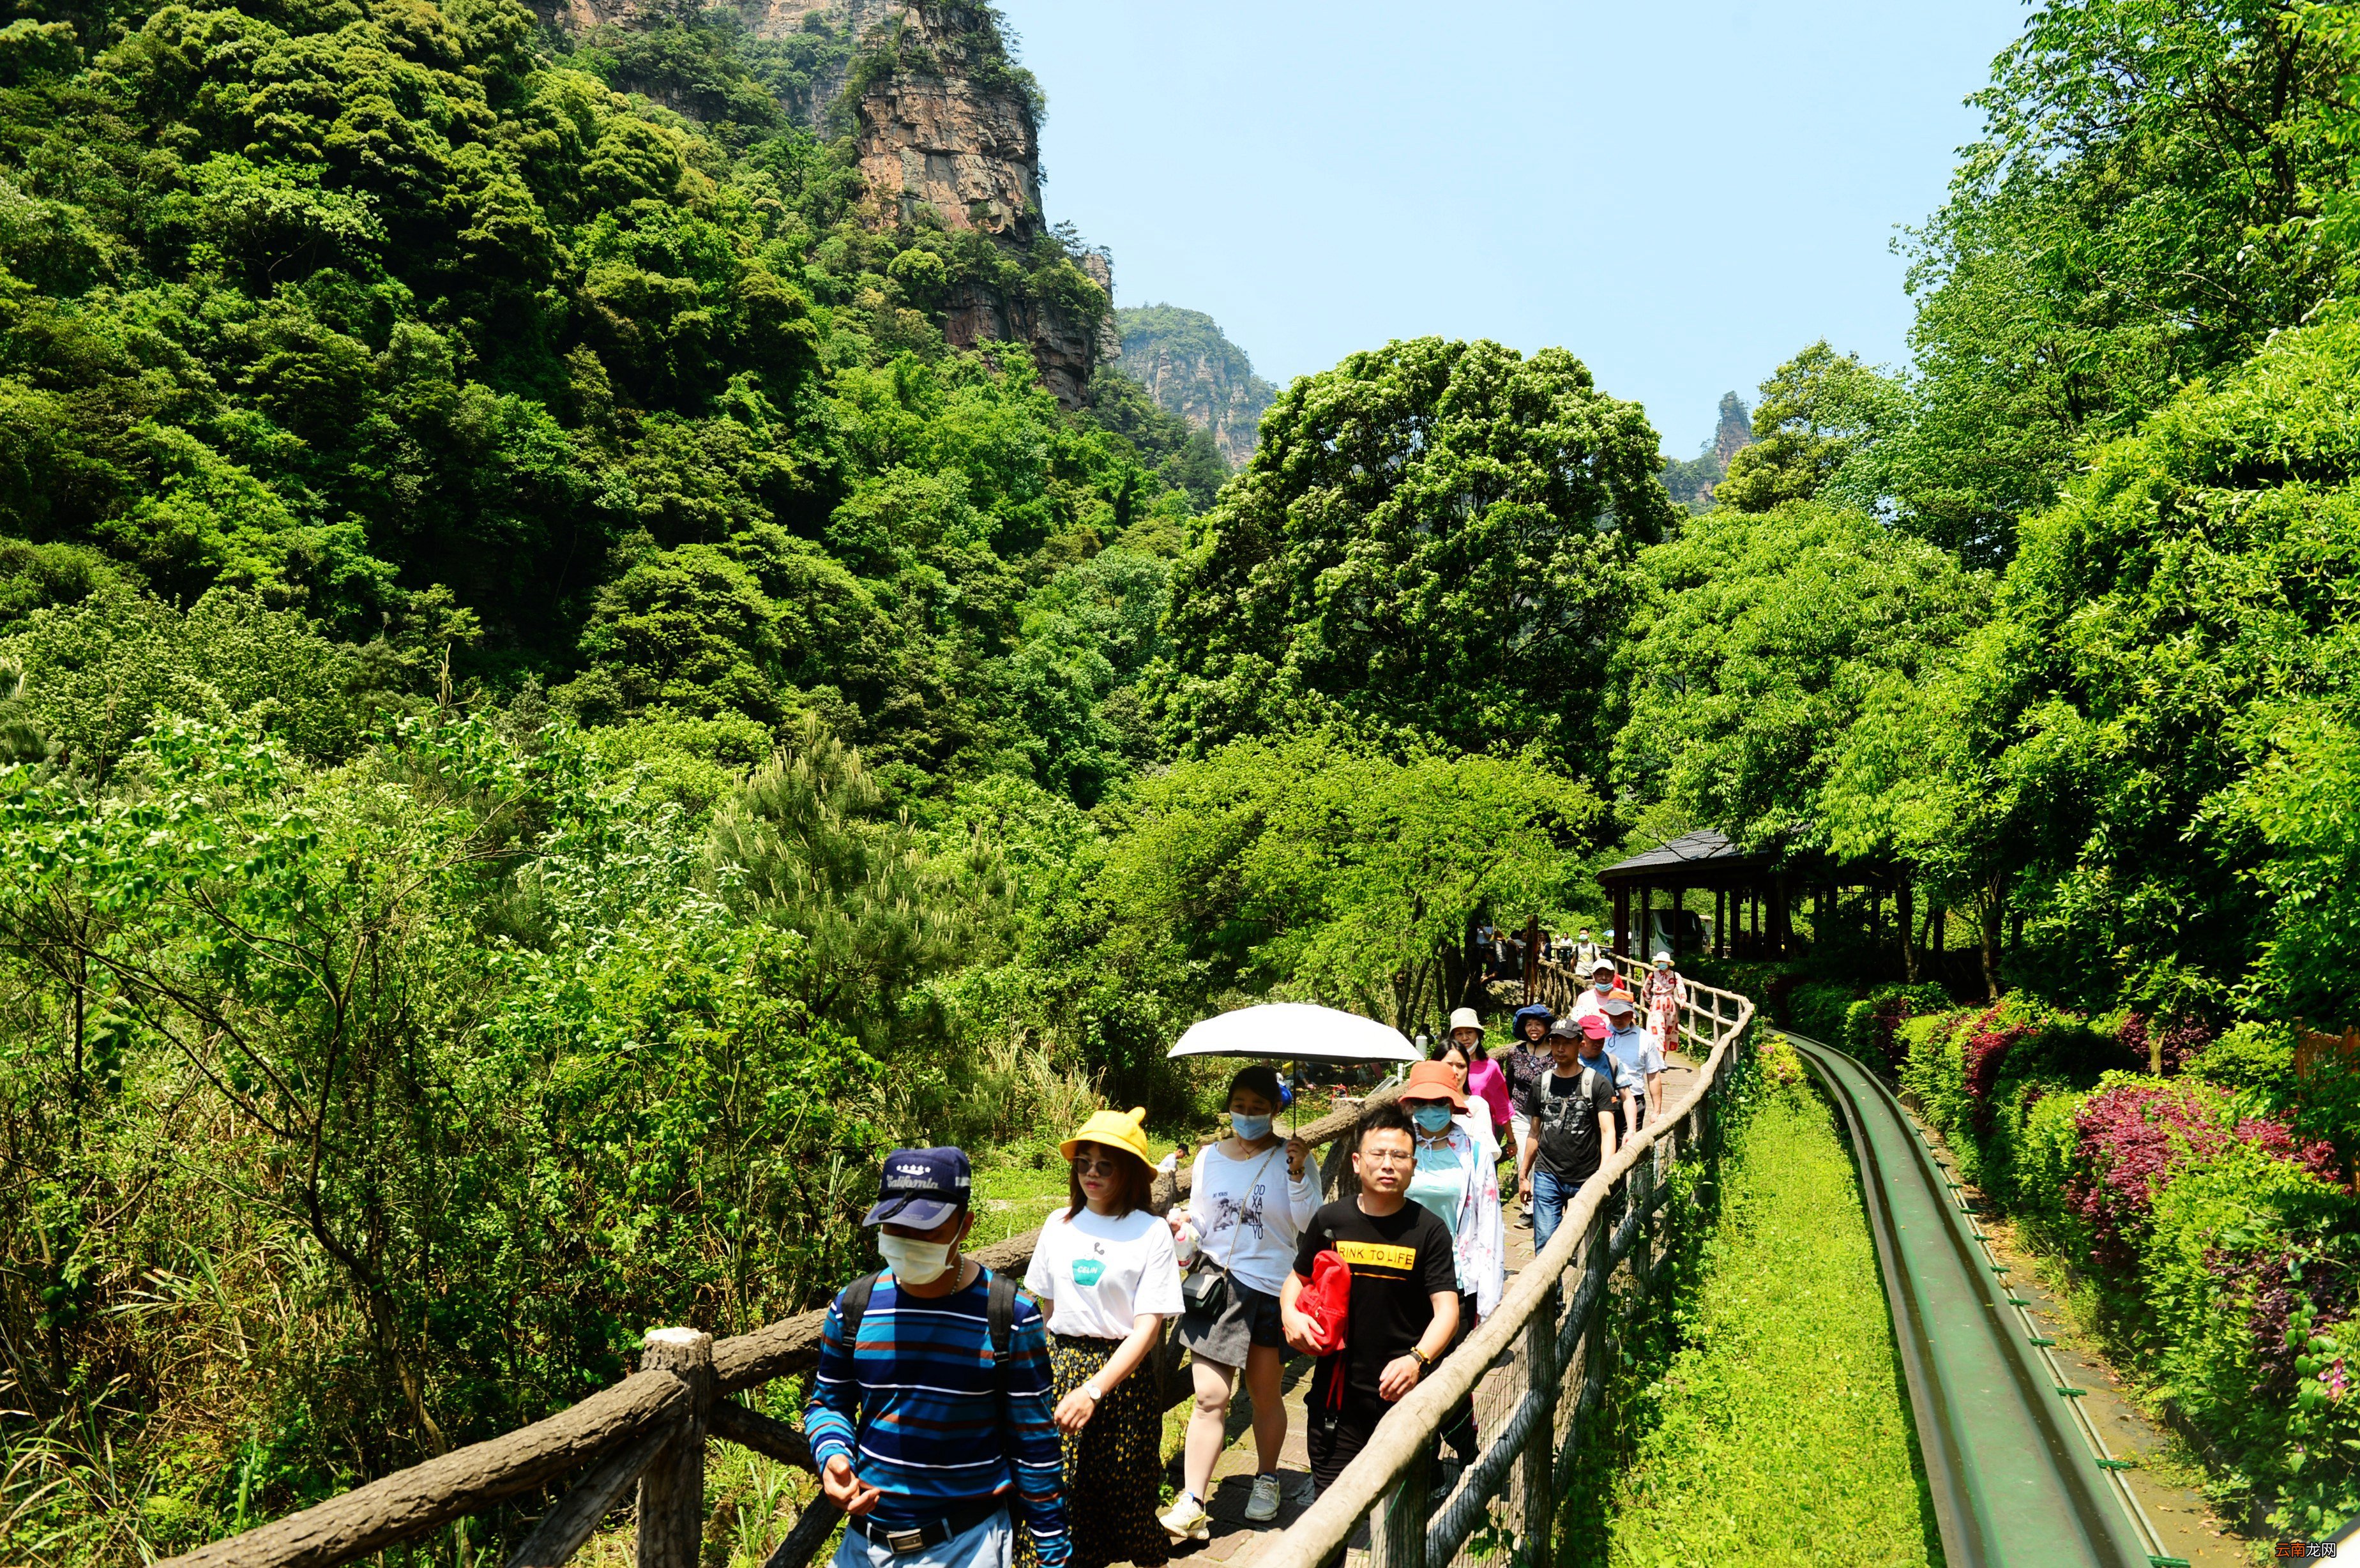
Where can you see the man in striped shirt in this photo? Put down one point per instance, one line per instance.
(923, 1432)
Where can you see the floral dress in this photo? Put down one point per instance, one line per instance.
(1663, 996)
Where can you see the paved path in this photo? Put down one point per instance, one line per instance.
(1236, 1542)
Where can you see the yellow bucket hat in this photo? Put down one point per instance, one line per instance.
(1126, 1130)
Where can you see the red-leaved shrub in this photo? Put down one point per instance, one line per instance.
(2184, 1040)
(2132, 1138)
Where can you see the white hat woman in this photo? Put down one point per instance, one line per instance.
(1664, 994)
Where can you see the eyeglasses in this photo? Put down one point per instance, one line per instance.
(1095, 1165)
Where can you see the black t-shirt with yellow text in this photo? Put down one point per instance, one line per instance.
(1399, 1263)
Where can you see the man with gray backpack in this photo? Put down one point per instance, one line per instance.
(929, 1415)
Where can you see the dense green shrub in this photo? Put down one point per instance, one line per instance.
(1818, 1011)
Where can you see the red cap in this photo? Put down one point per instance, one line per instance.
(1595, 1026)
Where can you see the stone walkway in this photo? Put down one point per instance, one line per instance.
(1236, 1542)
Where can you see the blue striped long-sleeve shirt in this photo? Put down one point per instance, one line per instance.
(916, 1407)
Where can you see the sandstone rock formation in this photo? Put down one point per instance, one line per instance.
(945, 132)
(1193, 371)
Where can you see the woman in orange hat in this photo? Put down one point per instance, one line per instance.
(1460, 1187)
(1106, 1277)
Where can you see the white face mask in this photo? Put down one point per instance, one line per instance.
(914, 1262)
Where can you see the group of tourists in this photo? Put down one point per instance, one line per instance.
(947, 1409)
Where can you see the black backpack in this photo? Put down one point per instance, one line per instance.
(998, 1314)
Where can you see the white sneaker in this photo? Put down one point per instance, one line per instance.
(1262, 1507)
(1187, 1520)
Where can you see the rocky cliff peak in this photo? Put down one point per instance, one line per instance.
(1194, 371)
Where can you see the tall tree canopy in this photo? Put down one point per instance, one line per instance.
(1434, 537)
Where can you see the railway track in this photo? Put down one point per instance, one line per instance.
(2020, 1476)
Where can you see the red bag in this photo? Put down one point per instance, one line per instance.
(1327, 1302)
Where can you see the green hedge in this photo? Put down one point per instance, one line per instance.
(2201, 1211)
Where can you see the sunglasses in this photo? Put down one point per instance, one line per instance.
(1096, 1164)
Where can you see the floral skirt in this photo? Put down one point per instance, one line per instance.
(1114, 1467)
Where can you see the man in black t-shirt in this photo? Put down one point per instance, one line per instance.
(1405, 1306)
(1573, 1122)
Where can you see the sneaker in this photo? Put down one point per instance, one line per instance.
(1187, 1520)
(1262, 1507)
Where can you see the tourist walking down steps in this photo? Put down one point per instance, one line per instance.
(1249, 1195)
(1105, 1272)
(929, 1415)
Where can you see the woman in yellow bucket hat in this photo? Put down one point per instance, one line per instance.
(1106, 1277)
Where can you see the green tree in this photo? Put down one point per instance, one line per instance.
(1815, 434)
(2139, 212)
(1758, 641)
(1431, 536)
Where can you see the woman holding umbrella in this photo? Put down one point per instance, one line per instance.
(1249, 1195)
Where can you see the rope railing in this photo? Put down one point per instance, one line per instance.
(1557, 1346)
(652, 1429)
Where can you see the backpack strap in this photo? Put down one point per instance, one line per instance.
(854, 1306)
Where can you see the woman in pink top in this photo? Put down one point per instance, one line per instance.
(1485, 1082)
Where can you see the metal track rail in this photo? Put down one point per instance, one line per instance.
(2020, 1478)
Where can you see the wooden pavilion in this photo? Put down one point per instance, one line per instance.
(1748, 888)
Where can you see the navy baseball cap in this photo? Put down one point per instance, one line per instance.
(922, 1187)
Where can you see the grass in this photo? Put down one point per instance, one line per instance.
(1781, 1433)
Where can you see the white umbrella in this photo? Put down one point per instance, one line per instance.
(1295, 1031)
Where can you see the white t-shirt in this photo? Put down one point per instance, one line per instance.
(1097, 1273)
(1249, 1215)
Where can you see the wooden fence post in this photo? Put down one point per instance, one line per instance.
(671, 1488)
(1539, 1525)
(1397, 1528)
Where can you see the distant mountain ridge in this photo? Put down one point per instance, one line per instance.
(1195, 373)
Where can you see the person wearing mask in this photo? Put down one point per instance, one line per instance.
(1604, 982)
(1405, 1293)
(1638, 1065)
(1474, 1115)
(929, 1413)
(1527, 1061)
(1455, 1179)
(1105, 1273)
(1586, 954)
(1573, 1127)
(1249, 1195)
(1661, 996)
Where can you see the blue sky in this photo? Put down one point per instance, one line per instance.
(1682, 192)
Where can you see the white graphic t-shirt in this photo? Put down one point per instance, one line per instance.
(1098, 1274)
(1249, 1215)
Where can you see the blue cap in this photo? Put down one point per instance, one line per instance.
(922, 1188)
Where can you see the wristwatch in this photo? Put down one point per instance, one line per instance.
(1096, 1396)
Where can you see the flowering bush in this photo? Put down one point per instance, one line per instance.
(1872, 1025)
(2135, 1135)
(2221, 1244)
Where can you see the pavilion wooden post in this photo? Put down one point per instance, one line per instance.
(1680, 909)
(1720, 922)
(1621, 920)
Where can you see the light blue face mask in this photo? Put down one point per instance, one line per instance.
(1433, 1118)
(1249, 1128)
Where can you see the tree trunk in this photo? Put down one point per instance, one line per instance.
(1993, 910)
(1905, 919)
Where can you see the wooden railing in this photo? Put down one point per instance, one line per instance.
(652, 1429)
(1554, 1323)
